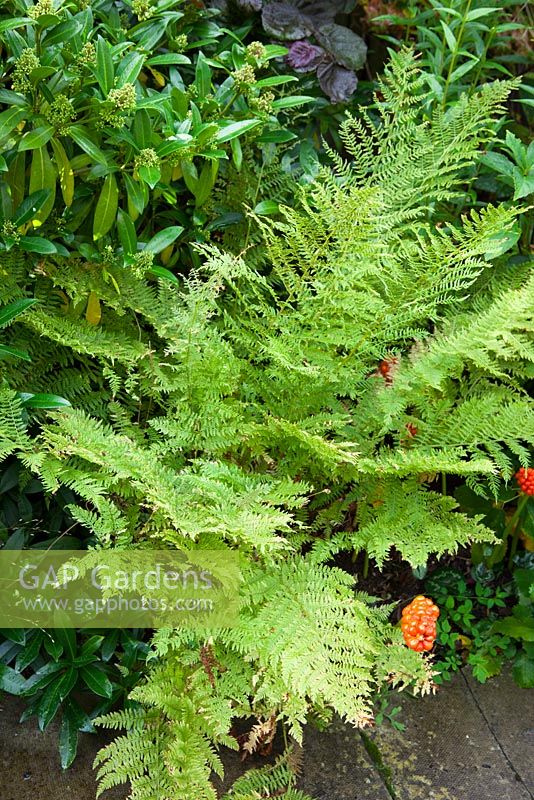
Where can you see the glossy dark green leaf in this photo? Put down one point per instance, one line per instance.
(164, 274)
(30, 652)
(42, 177)
(163, 239)
(202, 76)
(14, 309)
(30, 206)
(14, 22)
(68, 739)
(7, 350)
(43, 400)
(126, 230)
(142, 128)
(129, 68)
(36, 244)
(136, 197)
(150, 175)
(67, 638)
(10, 119)
(36, 137)
(106, 208)
(53, 696)
(267, 207)
(293, 101)
(11, 681)
(96, 680)
(104, 70)
(228, 132)
(81, 137)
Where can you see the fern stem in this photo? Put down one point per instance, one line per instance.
(366, 564)
(514, 527)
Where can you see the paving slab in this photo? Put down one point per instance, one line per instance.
(469, 742)
(29, 761)
(448, 751)
(336, 765)
(509, 712)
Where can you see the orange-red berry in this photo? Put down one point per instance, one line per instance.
(418, 623)
(525, 480)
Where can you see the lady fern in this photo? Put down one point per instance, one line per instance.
(249, 409)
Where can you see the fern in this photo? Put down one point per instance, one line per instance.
(247, 407)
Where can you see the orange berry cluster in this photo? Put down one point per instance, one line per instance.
(525, 479)
(418, 623)
(387, 367)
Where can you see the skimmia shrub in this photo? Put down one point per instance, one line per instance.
(115, 120)
(291, 415)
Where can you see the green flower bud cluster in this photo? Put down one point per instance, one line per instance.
(26, 62)
(41, 9)
(179, 43)
(256, 52)
(60, 113)
(186, 153)
(9, 229)
(147, 158)
(87, 55)
(263, 103)
(142, 262)
(142, 9)
(120, 102)
(109, 259)
(244, 78)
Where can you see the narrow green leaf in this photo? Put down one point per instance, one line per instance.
(202, 76)
(450, 38)
(42, 400)
(476, 13)
(267, 207)
(292, 101)
(36, 244)
(463, 69)
(68, 739)
(168, 58)
(106, 208)
(42, 176)
(30, 207)
(36, 137)
(236, 129)
(275, 80)
(6, 350)
(82, 139)
(127, 234)
(10, 119)
(163, 239)
(96, 681)
(52, 698)
(129, 68)
(14, 309)
(164, 274)
(11, 681)
(16, 177)
(136, 197)
(14, 22)
(142, 128)
(66, 174)
(104, 71)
